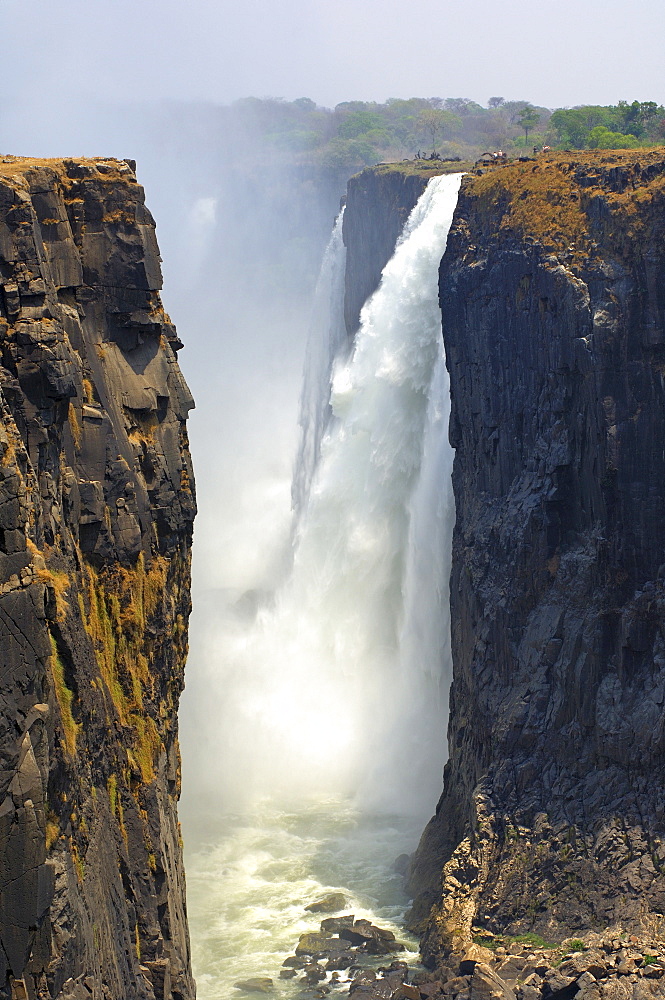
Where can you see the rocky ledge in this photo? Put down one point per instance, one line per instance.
(96, 511)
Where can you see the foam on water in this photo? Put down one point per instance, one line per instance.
(249, 885)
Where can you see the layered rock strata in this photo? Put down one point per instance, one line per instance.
(96, 511)
(552, 817)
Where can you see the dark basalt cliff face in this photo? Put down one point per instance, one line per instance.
(552, 817)
(96, 511)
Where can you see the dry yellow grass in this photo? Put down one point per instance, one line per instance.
(535, 201)
(64, 697)
(115, 612)
(75, 426)
(89, 390)
(543, 199)
(13, 167)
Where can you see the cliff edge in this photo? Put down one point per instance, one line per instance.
(552, 817)
(379, 200)
(96, 511)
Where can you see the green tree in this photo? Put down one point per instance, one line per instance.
(574, 124)
(602, 138)
(433, 122)
(356, 123)
(462, 106)
(639, 117)
(528, 118)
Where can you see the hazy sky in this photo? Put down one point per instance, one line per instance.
(552, 52)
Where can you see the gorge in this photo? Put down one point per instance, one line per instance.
(551, 817)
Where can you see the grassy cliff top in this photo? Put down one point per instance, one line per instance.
(423, 168)
(567, 200)
(562, 200)
(15, 168)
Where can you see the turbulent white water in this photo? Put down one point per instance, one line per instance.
(335, 686)
(248, 887)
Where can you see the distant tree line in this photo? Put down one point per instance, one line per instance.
(615, 126)
(359, 133)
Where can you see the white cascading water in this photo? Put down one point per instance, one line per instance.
(332, 709)
(327, 337)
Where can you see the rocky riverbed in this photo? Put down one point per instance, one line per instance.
(350, 957)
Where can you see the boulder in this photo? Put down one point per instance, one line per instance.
(333, 925)
(294, 962)
(372, 988)
(511, 970)
(486, 985)
(528, 992)
(365, 977)
(407, 992)
(430, 990)
(374, 940)
(344, 960)
(330, 903)
(456, 985)
(556, 981)
(260, 984)
(594, 962)
(474, 953)
(318, 945)
(314, 972)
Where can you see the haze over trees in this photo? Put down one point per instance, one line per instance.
(436, 122)
(359, 133)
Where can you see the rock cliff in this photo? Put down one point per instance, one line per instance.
(552, 817)
(96, 511)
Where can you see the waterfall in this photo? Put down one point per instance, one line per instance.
(341, 676)
(327, 336)
(329, 727)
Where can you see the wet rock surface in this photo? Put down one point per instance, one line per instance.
(257, 985)
(96, 510)
(332, 902)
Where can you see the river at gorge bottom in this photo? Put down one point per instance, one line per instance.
(249, 879)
